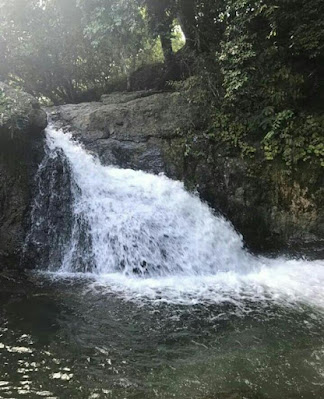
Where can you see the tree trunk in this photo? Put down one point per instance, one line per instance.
(161, 21)
(187, 19)
(167, 47)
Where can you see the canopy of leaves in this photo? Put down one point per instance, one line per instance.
(257, 66)
(60, 49)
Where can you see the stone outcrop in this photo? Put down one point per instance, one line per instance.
(21, 149)
(130, 130)
(162, 132)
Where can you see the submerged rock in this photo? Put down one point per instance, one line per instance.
(163, 133)
(21, 149)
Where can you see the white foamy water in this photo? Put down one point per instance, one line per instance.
(152, 239)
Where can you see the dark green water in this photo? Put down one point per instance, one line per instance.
(61, 341)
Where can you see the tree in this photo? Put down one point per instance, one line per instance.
(187, 18)
(161, 14)
(45, 52)
(117, 27)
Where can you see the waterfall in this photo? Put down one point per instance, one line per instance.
(145, 235)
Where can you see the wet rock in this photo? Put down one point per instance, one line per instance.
(21, 149)
(130, 130)
(53, 222)
(163, 133)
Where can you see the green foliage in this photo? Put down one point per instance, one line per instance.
(117, 28)
(72, 50)
(295, 139)
(45, 52)
(256, 67)
(265, 83)
(5, 107)
(9, 115)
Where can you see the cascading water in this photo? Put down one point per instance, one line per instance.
(144, 236)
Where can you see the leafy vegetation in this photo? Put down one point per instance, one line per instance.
(11, 116)
(263, 77)
(271, 59)
(256, 67)
(4, 105)
(7, 109)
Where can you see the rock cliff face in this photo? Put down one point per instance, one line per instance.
(161, 132)
(131, 130)
(21, 149)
